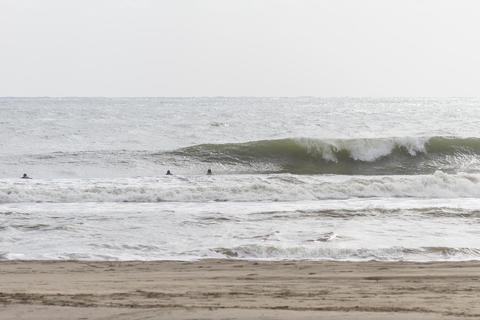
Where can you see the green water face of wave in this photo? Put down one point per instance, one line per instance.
(376, 156)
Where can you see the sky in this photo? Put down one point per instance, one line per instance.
(240, 48)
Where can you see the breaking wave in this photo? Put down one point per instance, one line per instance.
(407, 155)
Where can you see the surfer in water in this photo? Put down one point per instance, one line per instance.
(25, 176)
(168, 173)
(209, 172)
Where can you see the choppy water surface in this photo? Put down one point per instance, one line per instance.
(294, 178)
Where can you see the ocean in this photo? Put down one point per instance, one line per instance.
(389, 179)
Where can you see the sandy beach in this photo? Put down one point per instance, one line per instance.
(229, 289)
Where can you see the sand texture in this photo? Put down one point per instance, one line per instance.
(226, 289)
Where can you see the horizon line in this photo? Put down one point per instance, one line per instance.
(240, 96)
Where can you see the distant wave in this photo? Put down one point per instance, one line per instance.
(403, 155)
(277, 187)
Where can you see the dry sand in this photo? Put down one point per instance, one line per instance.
(226, 289)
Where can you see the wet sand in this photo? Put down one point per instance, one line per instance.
(229, 289)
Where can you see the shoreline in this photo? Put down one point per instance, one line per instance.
(239, 289)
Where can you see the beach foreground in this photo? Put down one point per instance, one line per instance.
(230, 289)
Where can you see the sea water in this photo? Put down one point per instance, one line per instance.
(293, 178)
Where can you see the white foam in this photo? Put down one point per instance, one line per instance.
(281, 187)
(275, 253)
(363, 149)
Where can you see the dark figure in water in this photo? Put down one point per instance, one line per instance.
(168, 173)
(209, 172)
(25, 176)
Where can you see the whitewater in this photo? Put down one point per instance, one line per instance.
(294, 178)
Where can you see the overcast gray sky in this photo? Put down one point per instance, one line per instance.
(239, 48)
